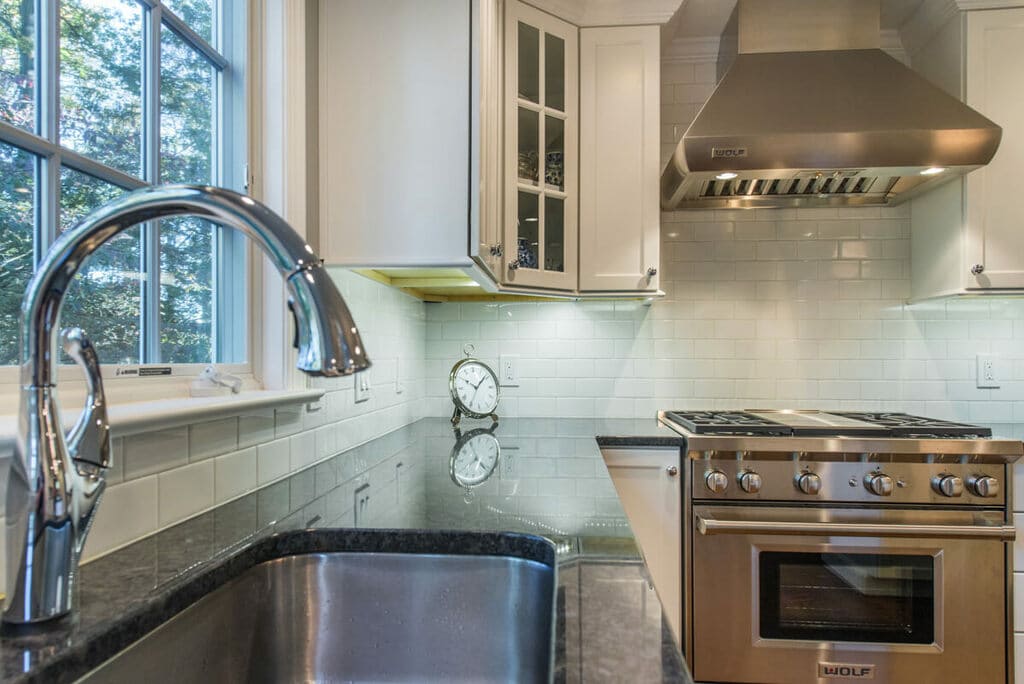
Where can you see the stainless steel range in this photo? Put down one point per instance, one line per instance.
(845, 546)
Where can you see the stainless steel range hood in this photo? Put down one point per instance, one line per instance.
(811, 112)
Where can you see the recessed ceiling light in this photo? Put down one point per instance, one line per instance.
(933, 170)
(726, 175)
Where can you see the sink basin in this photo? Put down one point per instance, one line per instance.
(357, 617)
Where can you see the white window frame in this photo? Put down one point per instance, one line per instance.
(231, 27)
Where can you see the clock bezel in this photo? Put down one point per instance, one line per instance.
(461, 408)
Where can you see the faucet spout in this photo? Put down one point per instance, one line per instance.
(57, 480)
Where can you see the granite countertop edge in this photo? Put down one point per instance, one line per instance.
(99, 642)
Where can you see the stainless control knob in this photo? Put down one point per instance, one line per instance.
(750, 482)
(716, 481)
(808, 483)
(879, 484)
(948, 485)
(985, 486)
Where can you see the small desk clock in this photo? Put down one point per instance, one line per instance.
(474, 389)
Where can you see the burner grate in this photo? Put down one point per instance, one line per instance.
(727, 423)
(909, 426)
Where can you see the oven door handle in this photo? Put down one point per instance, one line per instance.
(709, 525)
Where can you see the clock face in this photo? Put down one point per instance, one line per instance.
(474, 459)
(474, 388)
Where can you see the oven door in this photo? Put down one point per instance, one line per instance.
(791, 595)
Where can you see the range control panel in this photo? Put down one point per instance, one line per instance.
(848, 482)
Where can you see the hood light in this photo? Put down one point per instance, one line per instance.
(727, 175)
(934, 170)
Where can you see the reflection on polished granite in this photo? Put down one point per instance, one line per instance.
(549, 480)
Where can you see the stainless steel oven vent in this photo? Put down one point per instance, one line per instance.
(809, 111)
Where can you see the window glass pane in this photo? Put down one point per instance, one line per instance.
(529, 63)
(105, 297)
(101, 81)
(17, 63)
(17, 218)
(554, 72)
(186, 112)
(529, 227)
(198, 14)
(554, 234)
(186, 245)
(529, 142)
(554, 157)
(186, 291)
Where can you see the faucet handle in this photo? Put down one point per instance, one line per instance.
(89, 440)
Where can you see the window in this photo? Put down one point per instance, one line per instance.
(99, 97)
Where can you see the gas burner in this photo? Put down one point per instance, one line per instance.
(918, 427)
(727, 423)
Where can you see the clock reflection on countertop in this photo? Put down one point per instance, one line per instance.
(474, 389)
(474, 457)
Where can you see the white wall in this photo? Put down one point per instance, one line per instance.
(767, 308)
(764, 308)
(161, 477)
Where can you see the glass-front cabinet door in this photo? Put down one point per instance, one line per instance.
(541, 119)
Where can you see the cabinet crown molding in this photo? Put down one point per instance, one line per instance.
(586, 13)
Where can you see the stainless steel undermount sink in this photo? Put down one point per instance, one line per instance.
(357, 617)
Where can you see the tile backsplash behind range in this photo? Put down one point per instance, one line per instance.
(790, 307)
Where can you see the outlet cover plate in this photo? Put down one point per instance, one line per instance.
(508, 370)
(988, 371)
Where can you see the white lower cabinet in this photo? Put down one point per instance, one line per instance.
(648, 481)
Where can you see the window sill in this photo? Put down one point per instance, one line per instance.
(142, 416)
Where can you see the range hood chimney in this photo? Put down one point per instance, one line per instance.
(811, 112)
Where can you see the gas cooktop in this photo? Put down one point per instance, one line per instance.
(786, 423)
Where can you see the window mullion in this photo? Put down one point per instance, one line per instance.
(150, 284)
(48, 123)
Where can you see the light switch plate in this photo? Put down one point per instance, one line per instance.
(362, 380)
(508, 370)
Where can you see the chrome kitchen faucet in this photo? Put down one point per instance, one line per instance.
(56, 480)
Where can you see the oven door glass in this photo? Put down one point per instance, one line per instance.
(849, 597)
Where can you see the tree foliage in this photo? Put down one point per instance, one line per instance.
(101, 116)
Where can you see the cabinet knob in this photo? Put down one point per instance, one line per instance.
(513, 265)
(497, 250)
(651, 271)
(672, 471)
(978, 269)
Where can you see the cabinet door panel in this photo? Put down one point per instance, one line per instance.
(394, 132)
(652, 499)
(541, 56)
(995, 52)
(619, 118)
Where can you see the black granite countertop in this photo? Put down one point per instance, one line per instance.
(648, 432)
(549, 480)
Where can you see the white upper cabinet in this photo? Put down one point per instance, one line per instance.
(448, 148)
(541, 142)
(619, 133)
(394, 132)
(966, 235)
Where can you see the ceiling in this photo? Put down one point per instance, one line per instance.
(707, 18)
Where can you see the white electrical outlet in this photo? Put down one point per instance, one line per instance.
(988, 376)
(362, 386)
(508, 370)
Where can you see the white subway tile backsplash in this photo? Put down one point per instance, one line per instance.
(128, 511)
(152, 452)
(212, 438)
(185, 491)
(235, 474)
